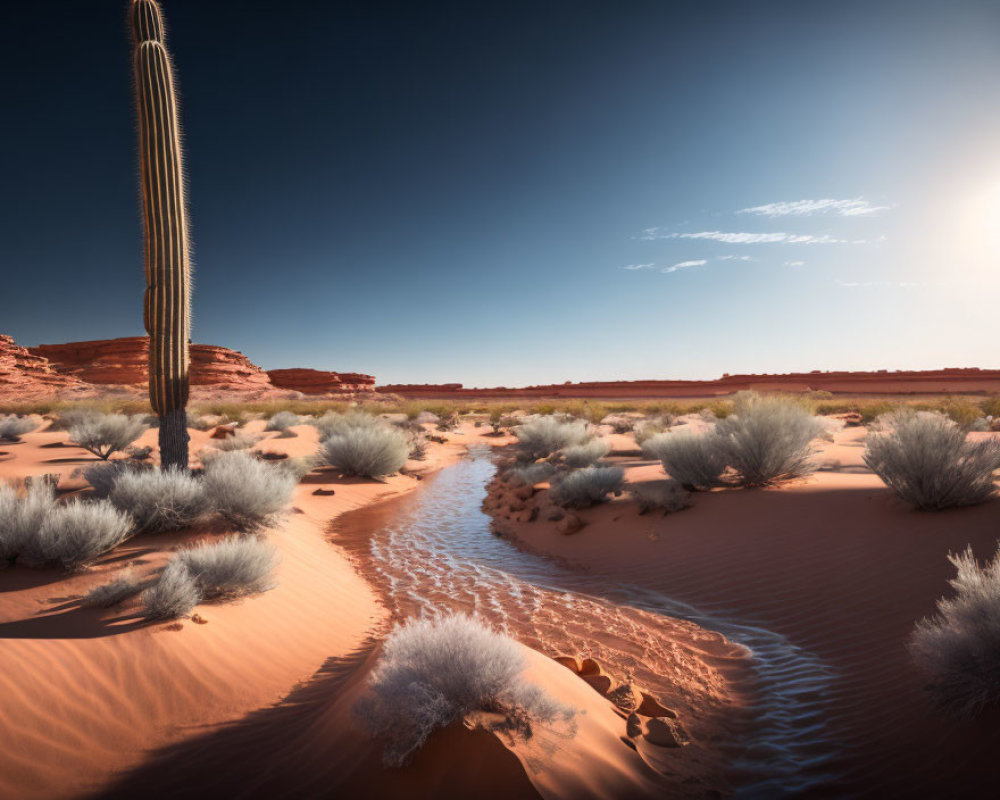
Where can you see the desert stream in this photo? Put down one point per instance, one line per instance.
(434, 553)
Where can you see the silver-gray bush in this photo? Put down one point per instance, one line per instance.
(583, 455)
(542, 436)
(76, 533)
(246, 491)
(959, 647)
(927, 460)
(161, 499)
(12, 427)
(104, 434)
(583, 488)
(768, 438)
(433, 672)
(695, 460)
(237, 565)
(369, 452)
(173, 595)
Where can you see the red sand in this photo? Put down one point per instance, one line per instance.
(841, 567)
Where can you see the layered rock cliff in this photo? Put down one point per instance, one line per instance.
(314, 381)
(125, 362)
(27, 377)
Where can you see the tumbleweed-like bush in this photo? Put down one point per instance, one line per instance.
(246, 491)
(334, 424)
(161, 499)
(76, 533)
(768, 438)
(667, 496)
(238, 441)
(173, 595)
(12, 427)
(104, 434)
(21, 516)
(960, 645)
(116, 591)
(433, 672)
(282, 421)
(926, 459)
(368, 452)
(695, 460)
(104, 475)
(237, 565)
(583, 488)
(583, 455)
(530, 474)
(542, 436)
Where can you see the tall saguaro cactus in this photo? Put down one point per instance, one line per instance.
(166, 311)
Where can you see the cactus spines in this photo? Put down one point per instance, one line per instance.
(166, 313)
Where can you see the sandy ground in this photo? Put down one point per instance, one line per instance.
(840, 566)
(255, 702)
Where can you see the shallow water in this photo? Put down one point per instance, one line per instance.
(437, 554)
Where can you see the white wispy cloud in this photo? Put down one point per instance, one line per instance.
(856, 207)
(746, 238)
(639, 266)
(866, 284)
(736, 258)
(795, 263)
(685, 265)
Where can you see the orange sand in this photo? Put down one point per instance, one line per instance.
(841, 567)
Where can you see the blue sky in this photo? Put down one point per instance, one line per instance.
(532, 192)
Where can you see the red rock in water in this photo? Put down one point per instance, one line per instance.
(314, 381)
(25, 376)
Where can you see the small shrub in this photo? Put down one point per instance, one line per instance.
(619, 423)
(13, 427)
(542, 436)
(369, 452)
(696, 460)
(103, 476)
(21, 515)
(433, 672)
(246, 491)
(647, 429)
(104, 434)
(238, 441)
(116, 591)
(334, 424)
(76, 533)
(925, 458)
(981, 425)
(418, 447)
(667, 496)
(174, 594)
(990, 407)
(587, 487)
(160, 499)
(583, 455)
(960, 645)
(768, 438)
(282, 421)
(530, 474)
(238, 565)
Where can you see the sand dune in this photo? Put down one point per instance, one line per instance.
(841, 567)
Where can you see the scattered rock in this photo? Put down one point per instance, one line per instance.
(851, 419)
(651, 707)
(626, 697)
(272, 455)
(224, 431)
(198, 619)
(569, 525)
(633, 725)
(665, 733)
(324, 492)
(570, 662)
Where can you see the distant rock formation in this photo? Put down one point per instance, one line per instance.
(28, 377)
(125, 362)
(943, 381)
(314, 381)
